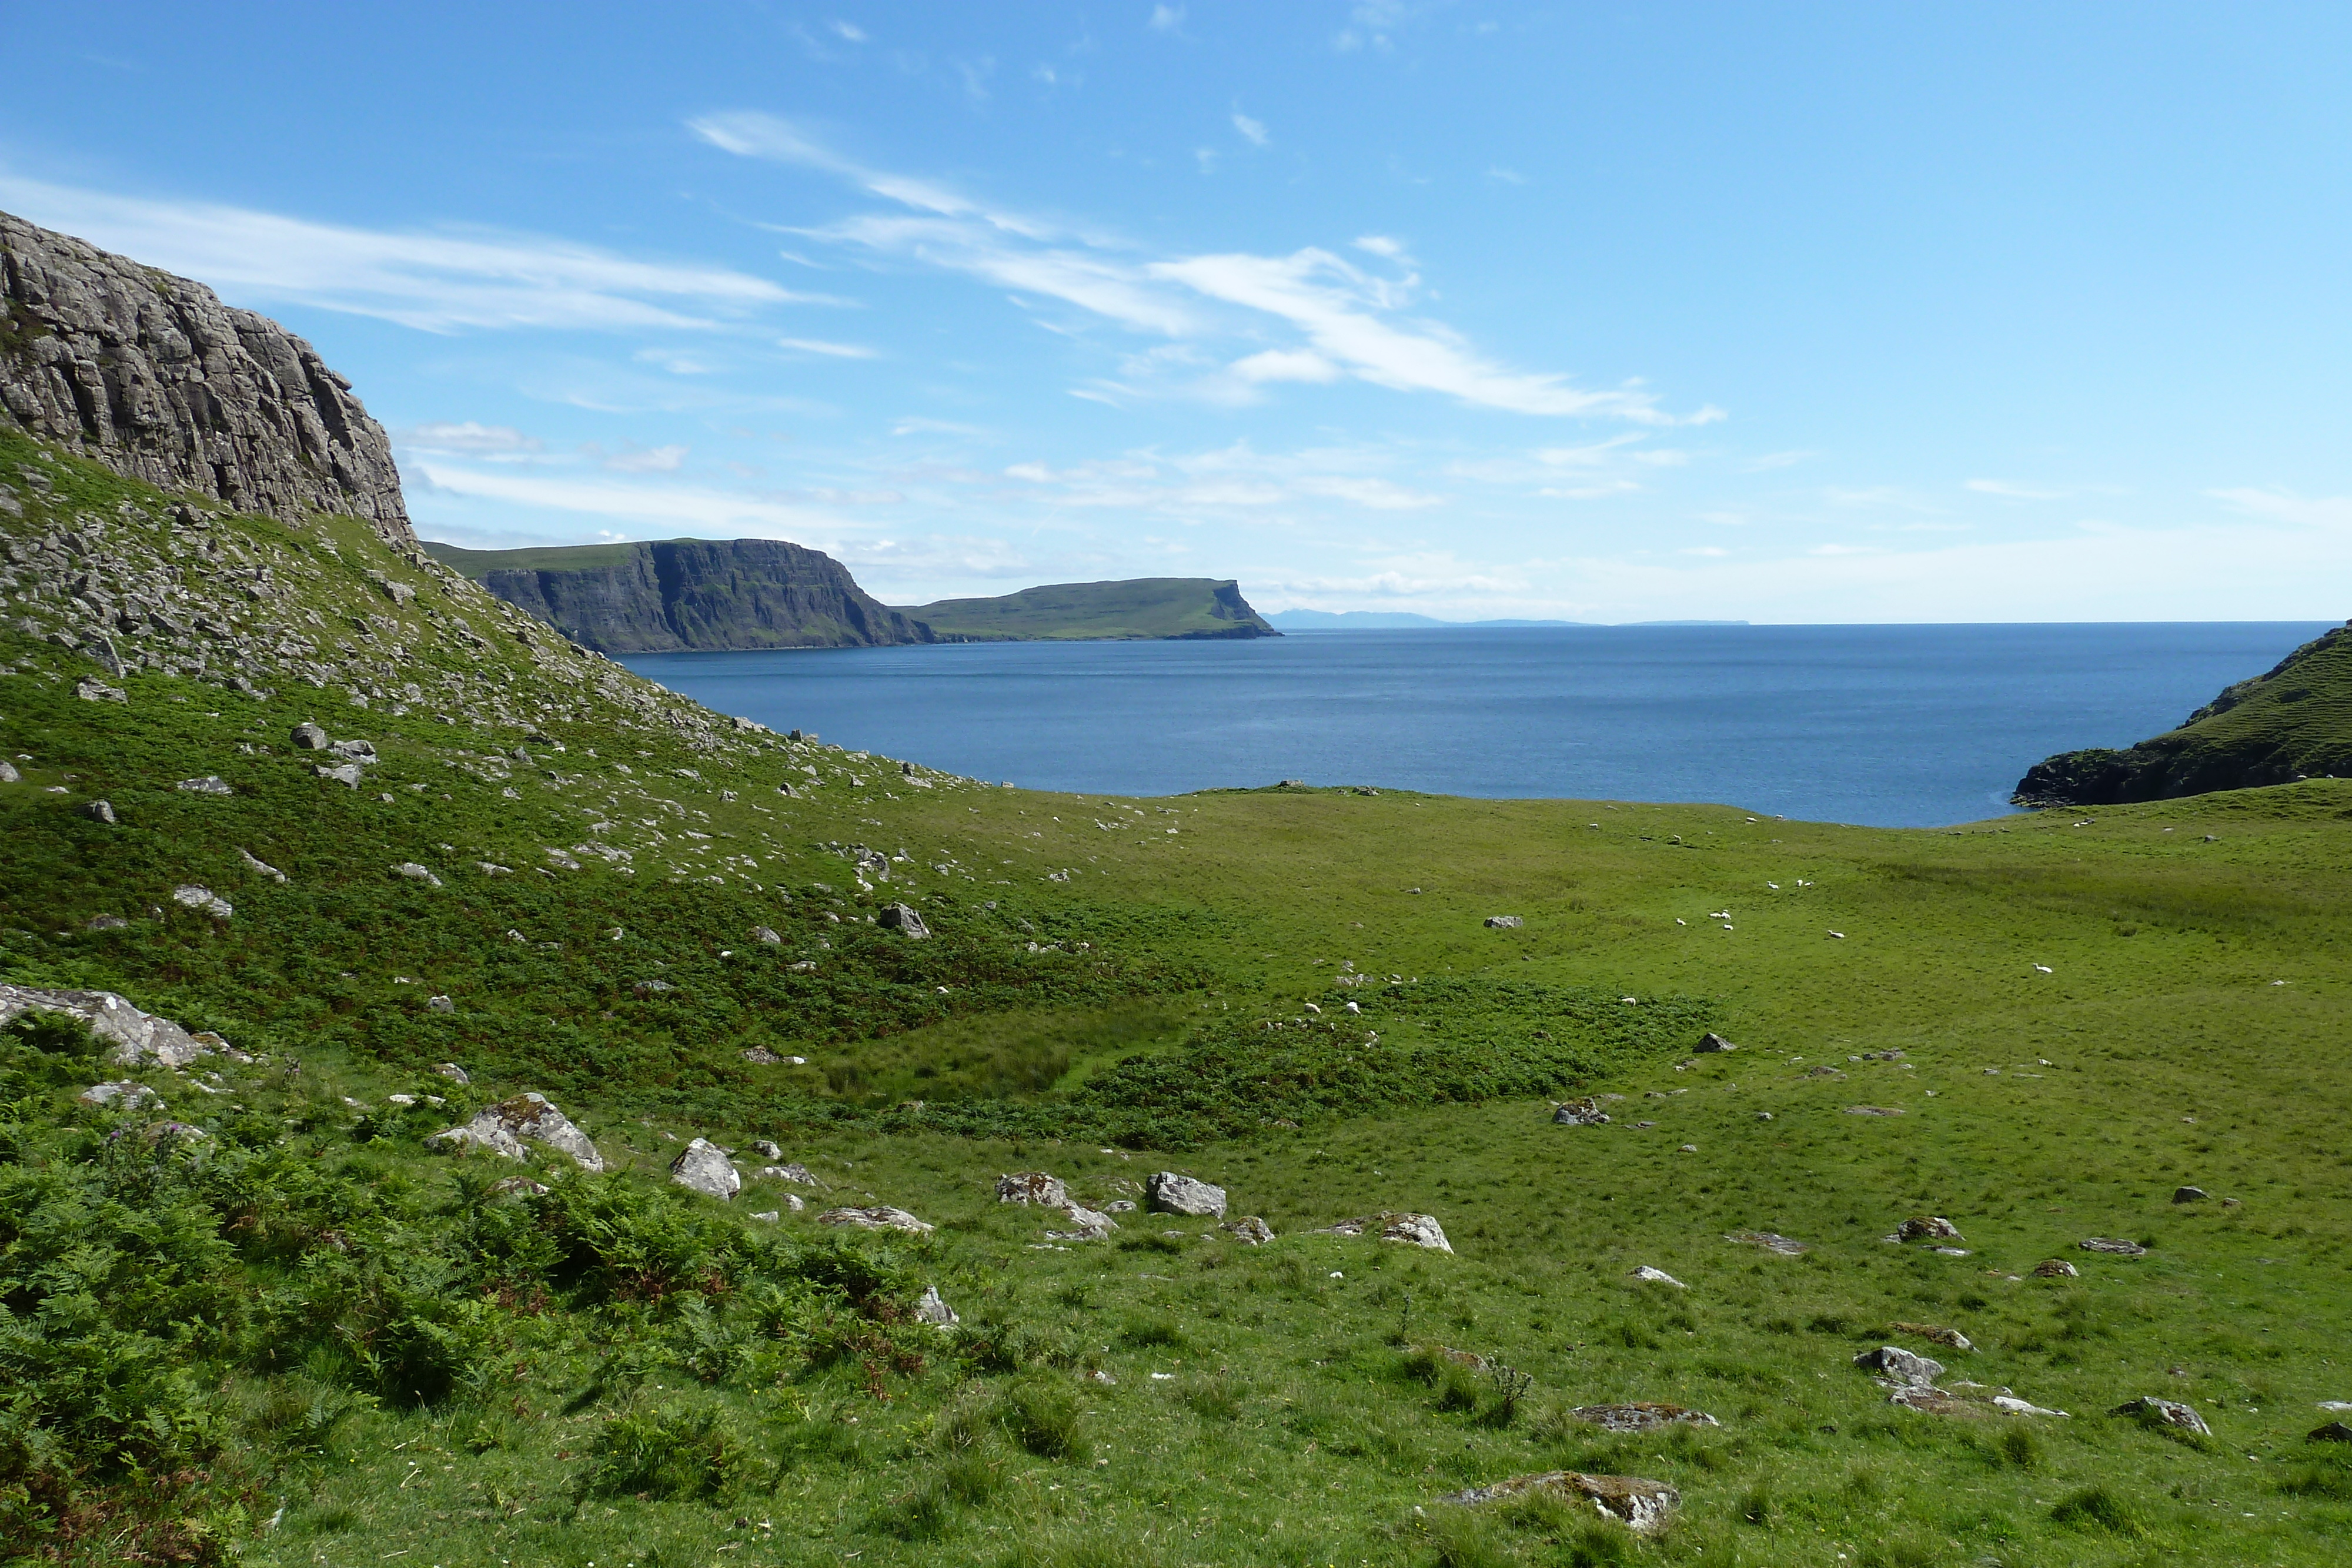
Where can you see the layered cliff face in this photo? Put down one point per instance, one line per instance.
(2294, 722)
(684, 594)
(155, 377)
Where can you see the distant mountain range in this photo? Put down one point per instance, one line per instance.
(1400, 620)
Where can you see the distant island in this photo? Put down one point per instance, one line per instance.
(2290, 723)
(712, 595)
(1139, 608)
(1406, 621)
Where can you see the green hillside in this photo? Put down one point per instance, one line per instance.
(258, 1319)
(478, 564)
(1145, 607)
(2293, 722)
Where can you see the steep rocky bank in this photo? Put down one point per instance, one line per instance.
(155, 377)
(680, 594)
(2293, 722)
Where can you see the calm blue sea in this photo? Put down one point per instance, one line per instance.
(1892, 726)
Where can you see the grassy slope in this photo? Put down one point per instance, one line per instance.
(1289, 1428)
(1145, 607)
(2291, 722)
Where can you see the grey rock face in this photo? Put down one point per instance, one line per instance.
(881, 1216)
(931, 1308)
(100, 811)
(1899, 1367)
(898, 917)
(705, 1167)
(1166, 1192)
(1032, 1186)
(99, 692)
(1584, 1113)
(308, 738)
(1645, 1507)
(501, 1128)
(8, 774)
(766, 934)
(138, 1038)
(155, 377)
(2153, 1412)
(210, 784)
(1928, 1228)
(202, 900)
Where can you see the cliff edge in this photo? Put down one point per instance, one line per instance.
(152, 376)
(676, 595)
(2294, 722)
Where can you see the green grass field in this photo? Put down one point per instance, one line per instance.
(302, 1338)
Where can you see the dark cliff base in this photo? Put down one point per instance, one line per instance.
(679, 595)
(2294, 721)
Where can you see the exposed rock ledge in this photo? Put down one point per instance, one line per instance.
(155, 377)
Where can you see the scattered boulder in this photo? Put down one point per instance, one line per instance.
(1170, 1192)
(1769, 1240)
(1824, 1071)
(90, 691)
(346, 774)
(1120, 1205)
(1898, 1368)
(255, 863)
(761, 1056)
(122, 1096)
(137, 1037)
(900, 917)
(106, 923)
(766, 1149)
(361, 751)
(2055, 1269)
(1584, 1113)
(1091, 1225)
(500, 1129)
(1874, 1110)
(2190, 1194)
(2114, 1246)
(1641, 1416)
(881, 1216)
(202, 900)
(415, 872)
(798, 1174)
(1248, 1230)
(1714, 1042)
(2334, 1432)
(1413, 1229)
(1928, 1228)
(452, 1072)
(1650, 1276)
(1032, 1186)
(704, 1166)
(308, 737)
(2150, 1411)
(931, 1308)
(521, 1186)
(1951, 1338)
(2009, 1404)
(766, 934)
(1504, 922)
(210, 784)
(440, 1005)
(8, 774)
(100, 811)
(1645, 1506)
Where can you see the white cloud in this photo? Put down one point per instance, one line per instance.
(724, 513)
(1166, 19)
(499, 443)
(831, 351)
(1771, 460)
(653, 460)
(2332, 512)
(1347, 317)
(1206, 157)
(436, 281)
(1503, 176)
(848, 31)
(1843, 549)
(1253, 129)
(1285, 365)
(1704, 550)
(2008, 491)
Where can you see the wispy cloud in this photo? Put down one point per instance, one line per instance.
(437, 281)
(1165, 18)
(829, 350)
(1502, 176)
(1346, 317)
(1255, 130)
(2331, 512)
(850, 32)
(651, 460)
(496, 442)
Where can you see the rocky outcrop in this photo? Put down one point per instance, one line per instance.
(679, 594)
(155, 377)
(1170, 1192)
(135, 1039)
(500, 1129)
(1644, 1506)
(2276, 729)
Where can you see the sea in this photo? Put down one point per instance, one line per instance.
(1881, 726)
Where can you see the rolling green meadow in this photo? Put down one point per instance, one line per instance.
(263, 1322)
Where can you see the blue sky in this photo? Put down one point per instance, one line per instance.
(1605, 312)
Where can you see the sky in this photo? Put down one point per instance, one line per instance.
(1599, 312)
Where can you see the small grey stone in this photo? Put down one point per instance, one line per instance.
(1641, 1416)
(1032, 1186)
(1714, 1042)
(106, 923)
(931, 1308)
(766, 1150)
(452, 1072)
(1249, 1229)
(122, 1096)
(100, 811)
(1769, 1241)
(99, 692)
(2153, 1412)
(202, 900)
(761, 1056)
(1650, 1276)
(1584, 1113)
(440, 1005)
(2055, 1269)
(766, 934)
(252, 862)
(8, 774)
(1645, 1507)
(1170, 1192)
(1120, 1205)
(795, 1173)
(881, 1216)
(898, 917)
(308, 737)
(354, 750)
(2114, 1246)
(1504, 922)
(1901, 1367)
(346, 774)
(415, 872)
(704, 1166)
(210, 784)
(501, 1128)
(2190, 1194)
(1928, 1228)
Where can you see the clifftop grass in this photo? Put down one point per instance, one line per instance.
(1148, 607)
(286, 1310)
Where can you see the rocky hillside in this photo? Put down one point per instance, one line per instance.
(153, 376)
(2294, 722)
(1139, 608)
(679, 594)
